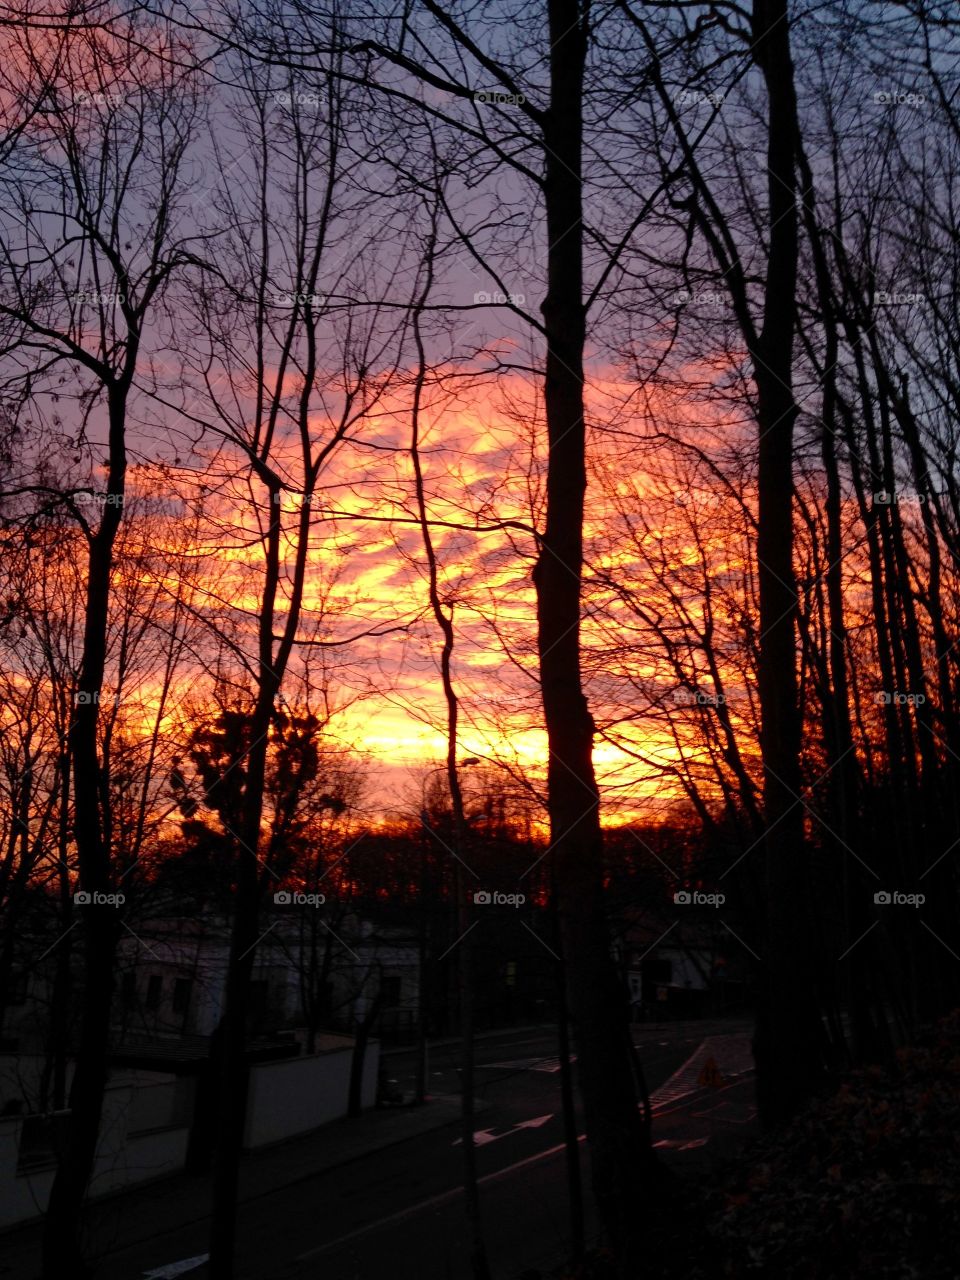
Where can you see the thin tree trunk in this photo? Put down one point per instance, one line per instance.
(571, 1138)
(464, 946)
(234, 1075)
(359, 1055)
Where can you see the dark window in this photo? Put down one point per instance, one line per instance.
(18, 987)
(129, 988)
(390, 991)
(259, 991)
(659, 970)
(181, 995)
(154, 990)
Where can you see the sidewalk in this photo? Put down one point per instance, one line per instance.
(152, 1209)
(649, 1026)
(731, 1055)
(451, 1041)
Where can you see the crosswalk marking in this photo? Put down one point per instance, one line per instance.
(549, 1065)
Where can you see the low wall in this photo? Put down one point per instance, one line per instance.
(123, 1159)
(145, 1127)
(292, 1097)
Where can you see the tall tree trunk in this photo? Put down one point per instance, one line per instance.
(788, 1027)
(61, 1234)
(620, 1158)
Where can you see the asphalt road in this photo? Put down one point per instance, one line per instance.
(397, 1214)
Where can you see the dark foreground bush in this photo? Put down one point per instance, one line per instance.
(865, 1183)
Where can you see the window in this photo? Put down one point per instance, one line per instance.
(390, 991)
(181, 995)
(18, 987)
(154, 990)
(41, 1138)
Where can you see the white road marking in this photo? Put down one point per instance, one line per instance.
(176, 1268)
(446, 1196)
(535, 1123)
(434, 1202)
(551, 1065)
(682, 1146)
(484, 1136)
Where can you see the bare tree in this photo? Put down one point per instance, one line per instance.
(116, 124)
